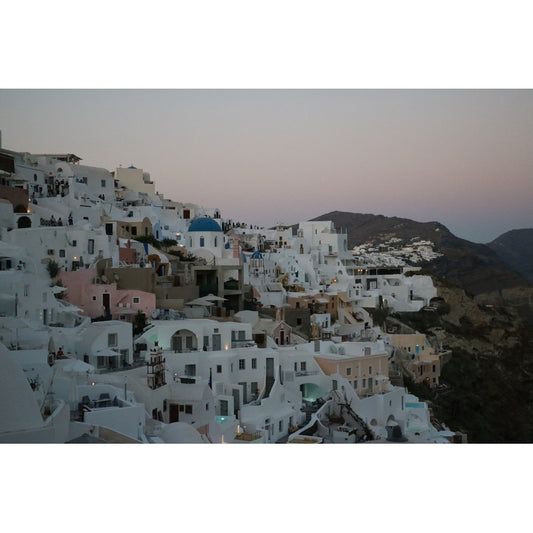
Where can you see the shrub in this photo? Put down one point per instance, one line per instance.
(53, 268)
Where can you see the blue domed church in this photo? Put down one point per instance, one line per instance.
(205, 234)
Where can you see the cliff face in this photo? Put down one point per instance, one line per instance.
(487, 388)
(488, 326)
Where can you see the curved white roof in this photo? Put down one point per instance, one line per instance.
(18, 407)
(181, 433)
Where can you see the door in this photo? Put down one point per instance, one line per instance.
(174, 413)
(177, 344)
(244, 391)
(236, 401)
(106, 301)
(216, 341)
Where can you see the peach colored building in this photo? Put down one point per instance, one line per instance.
(127, 229)
(101, 299)
(317, 303)
(417, 357)
(366, 371)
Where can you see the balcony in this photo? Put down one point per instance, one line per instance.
(247, 343)
(248, 437)
(302, 373)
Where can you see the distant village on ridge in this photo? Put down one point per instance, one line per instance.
(128, 317)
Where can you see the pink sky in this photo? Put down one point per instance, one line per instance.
(462, 157)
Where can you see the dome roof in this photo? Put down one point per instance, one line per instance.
(257, 255)
(205, 224)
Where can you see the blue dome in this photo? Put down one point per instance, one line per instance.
(205, 224)
(257, 255)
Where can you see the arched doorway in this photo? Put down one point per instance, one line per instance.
(184, 341)
(24, 222)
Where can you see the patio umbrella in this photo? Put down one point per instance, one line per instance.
(213, 298)
(199, 301)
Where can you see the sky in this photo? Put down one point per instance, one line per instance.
(460, 157)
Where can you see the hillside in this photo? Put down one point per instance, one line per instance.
(488, 327)
(476, 268)
(516, 249)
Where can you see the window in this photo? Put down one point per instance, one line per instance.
(182, 408)
(298, 320)
(296, 367)
(74, 244)
(50, 252)
(61, 253)
(207, 407)
(434, 368)
(242, 364)
(254, 387)
(355, 384)
(202, 242)
(136, 299)
(303, 366)
(102, 183)
(219, 369)
(216, 241)
(254, 363)
(164, 405)
(94, 298)
(370, 370)
(134, 230)
(364, 383)
(188, 409)
(348, 371)
(90, 246)
(112, 339)
(280, 426)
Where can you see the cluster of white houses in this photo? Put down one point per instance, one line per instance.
(128, 317)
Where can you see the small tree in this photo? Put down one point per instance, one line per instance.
(53, 268)
(139, 323)
(167, 243)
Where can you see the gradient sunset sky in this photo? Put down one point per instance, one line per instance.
(461, 157)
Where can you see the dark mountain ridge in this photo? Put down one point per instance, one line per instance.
(477, 268)
(515, 247)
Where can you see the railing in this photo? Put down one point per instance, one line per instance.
(242, 343)
(306, 373)
(248, 437)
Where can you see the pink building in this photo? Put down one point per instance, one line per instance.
(99, 299)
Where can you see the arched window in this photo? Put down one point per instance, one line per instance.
(202, 242)
(216, 241)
